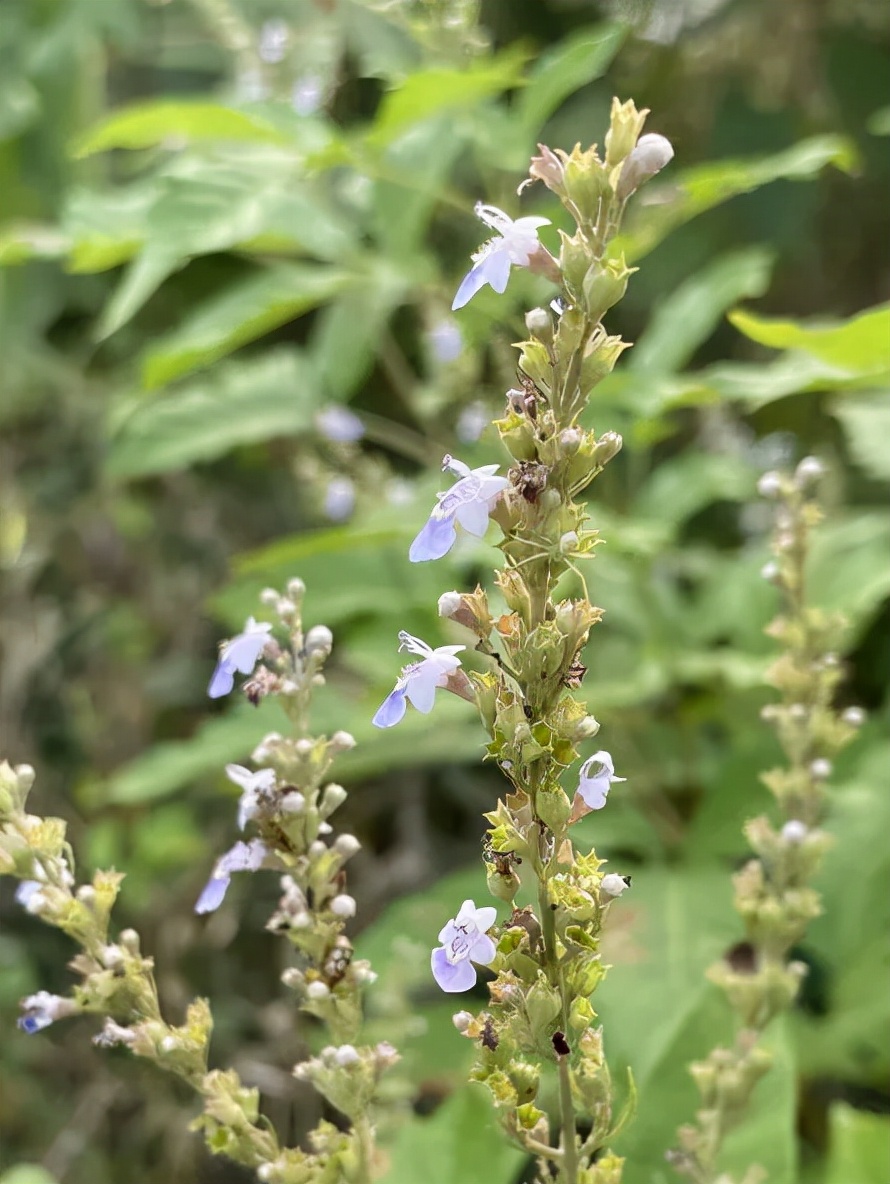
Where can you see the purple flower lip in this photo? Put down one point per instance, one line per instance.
(464, 941)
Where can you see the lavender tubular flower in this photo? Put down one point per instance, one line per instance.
(464, 941)
(468, 503)
(418, 681)
(516, 243)
(238, 655)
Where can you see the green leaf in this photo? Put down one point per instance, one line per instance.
(859, 1148)
(683, 197)
(564, 69)
(858, 345)
(435, 92)
(106, 229)
(848, 569)
(458, 1144)
(879, 122)
(688, 318)
(146, 124)
(347, 333)
(238, 403)
(244, 311)
(27, 1173)
(866, 423)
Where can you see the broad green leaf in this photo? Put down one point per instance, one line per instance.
(879, 122)
(146, 124)
(859, 1148)
(757, 384)
(348, 332)
(438, 91)
(27, 1173)
(685, 195)
(105, 229)
(199, 210)
(866, 423)
(237, 403)
(848, 569)
(19, 243)
(244, 311)
(459, 1144)
(690, 315)
(564, 69)
(683, 486)
(858, 345)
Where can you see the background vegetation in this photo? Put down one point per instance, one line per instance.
(212, 226)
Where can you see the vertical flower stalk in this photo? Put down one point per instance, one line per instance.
(285, 802)
(545, 957)
(773, 893)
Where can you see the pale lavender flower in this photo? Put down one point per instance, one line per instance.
(468, 503)
(255, 786)
(339, 424)
(515, 243)
(339, 499)
(597, 777)
(307, 95)
(243, 857)
(273, 41)
(240, 654)
(446, 342)
(472, 422)
(464, 941)
(43, 1009)
(419, 680)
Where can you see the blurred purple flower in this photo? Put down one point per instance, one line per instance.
(239, 654)
(339, 424)
(243, 857)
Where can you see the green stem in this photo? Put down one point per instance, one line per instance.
(567, 1122)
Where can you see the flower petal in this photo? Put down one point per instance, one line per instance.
(497, 270)
(213, 894)
(222, 681)
(486, 917)
(452, 977)
(435, 540)
(391, 710)
(421, 688)
(483, 949)
(469, 286)
(473, 517)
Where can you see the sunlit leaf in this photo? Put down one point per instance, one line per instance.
(858, 345)
(177, 122)
(244, 311)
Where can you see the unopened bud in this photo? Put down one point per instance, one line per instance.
(296, 589)
(770, 571)
(317, 990)
(539, 323)
(794, 831)
(331, 799)
(770, 484)
(570, 441)
(341, 742)
(613, 884)
(462, 1020)
(820, 768)
(346, 845)
(449, 603)
(809, 470)
(854, 717)
(346, 1055)
(293, 802)
(649, 157)
(319, 640)
(270, 597)
(568, 542)
(343, 906)
(586, 728)
(607, 446)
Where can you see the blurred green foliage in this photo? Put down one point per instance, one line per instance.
(209, 230)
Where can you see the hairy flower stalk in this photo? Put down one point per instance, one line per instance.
(286, 801)
(545, 957)
(772, 891)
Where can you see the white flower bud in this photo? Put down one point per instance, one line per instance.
(265, 1173)
(86, 894)
(794, 832)
(770, 571)
(809, 470)
(797, 711)
(332, 798)
(568, 542)
(821, 768)
(613, 884)
(317, 990)
(449, 603)
(292, 977)
(854, 717)
(316, 850)
(129, 939)
(319, 639)
(649, 157)
(347, 845)
(293, 802)
(296, 589)
(586, 728)
(303, 747)
(570, 441)
(112, 957)
(343, 906)
(341, 742)
(270, 597)
(285, 608)
(462, 1020)
(346, 1055)
(169, 1044)
(770, 484)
